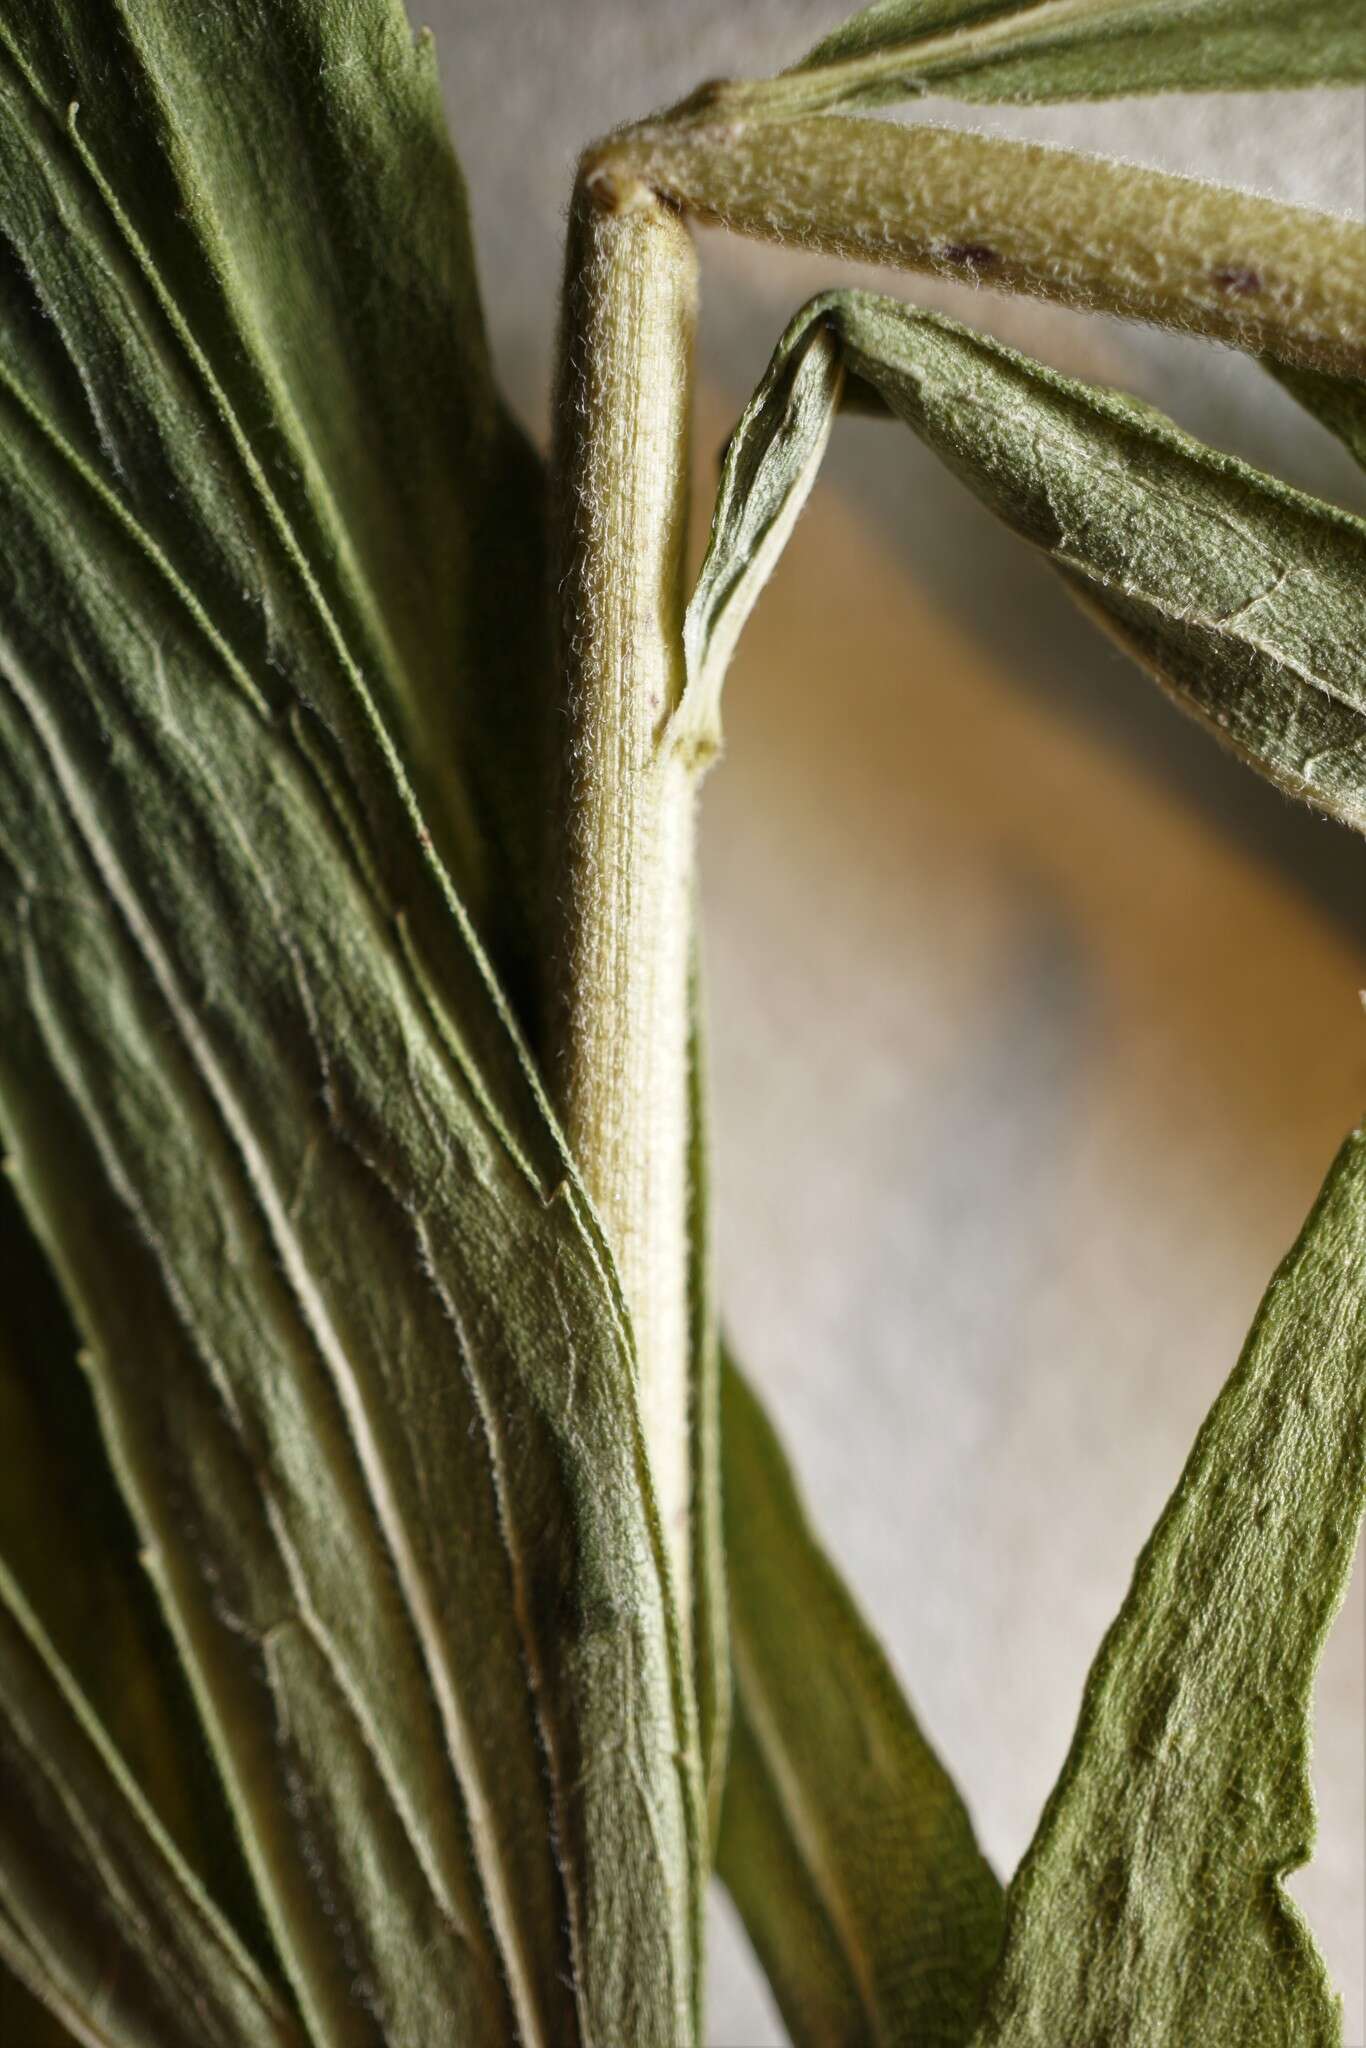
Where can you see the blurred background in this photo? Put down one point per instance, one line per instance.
(1034, 1018)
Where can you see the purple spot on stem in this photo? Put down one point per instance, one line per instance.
(972, 255)
(1242, 283)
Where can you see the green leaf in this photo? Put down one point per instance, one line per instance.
(325, 274)
(770, 465)
(707, 1576)
(1243, 597)
(843, 1840)
(67, 1538)
(355, 1339)
(65, 1533)
(58, 1501)
(1150, 1907)
(98, 1912)
(1038, 50)
(1338, 403)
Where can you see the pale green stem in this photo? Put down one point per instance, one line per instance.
(1021, 216)
(623, 891)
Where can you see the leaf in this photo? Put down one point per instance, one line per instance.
(355, 1340)
(66, 1537)
(96, 1907)
(1242, 596)
(1150, 1907)
(57, 1503)
(1039, 50)
(1338, 403)
(59, 1499)
(765, 481)
(1082, 231)
(326, 275)
(843, 1840)
(707, 1575)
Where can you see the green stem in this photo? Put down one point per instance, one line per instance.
(623, 894)
(1022, 216)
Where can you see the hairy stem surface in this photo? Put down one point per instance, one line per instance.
(1025, 217)
(623, 890)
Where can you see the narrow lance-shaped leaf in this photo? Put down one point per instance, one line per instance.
(1080, 230)
(710, 1616)
(1039, 50)
(1338, 403)
(59, 1502)
(98, 1912)
(1150, 1906)
(326, 272)
(843, 1840)
(67, 1538)
(452, 1760)
(770, 466)
(355, 1338)
(1243, 597)
(66, 1534)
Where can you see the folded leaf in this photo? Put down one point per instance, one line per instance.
(354, 1335)
(770, 466)
(97, 1911)
(1246, 599)
(1014, 216)
(843, 1840)
(1150, 1907)
(1338, 403)
(1035, 50)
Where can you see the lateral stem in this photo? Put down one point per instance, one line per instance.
(1024, 217)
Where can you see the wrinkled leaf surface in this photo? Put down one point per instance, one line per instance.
(97, 1909)
(1036, 50)
(1150, 1909)
(1243, 597)
(355, 1340)
(843, 1839)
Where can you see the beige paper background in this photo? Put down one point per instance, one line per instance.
(1034, 1018)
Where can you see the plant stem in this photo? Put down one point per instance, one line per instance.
(623, 895)
(1024, 217)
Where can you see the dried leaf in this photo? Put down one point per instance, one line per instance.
(1035, 50)
(1338, 403)
(707, 1576)
(65, 1534)
(843, 1840)
(770, 466)
(357, 1347)
(1150, 1907)
(97, 1909)
(325, 277)
(1242, 596)
(67, 1538)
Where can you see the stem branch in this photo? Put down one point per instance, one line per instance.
(1023, 216)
